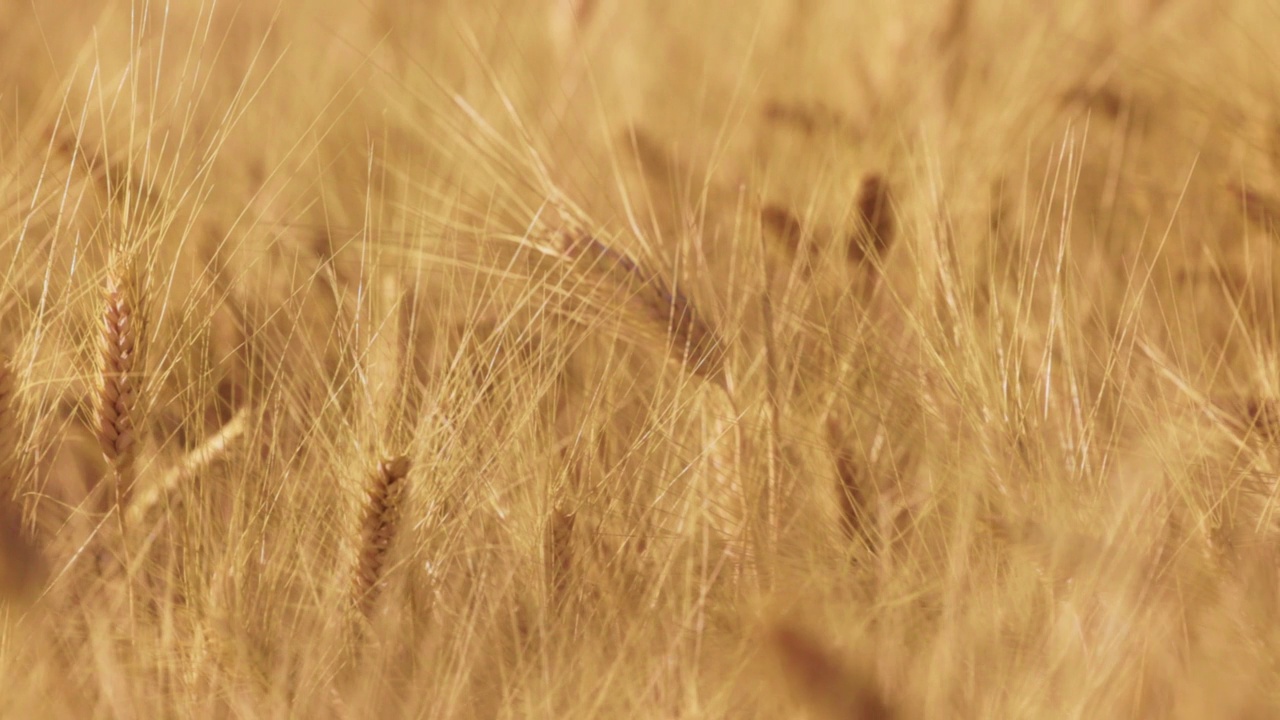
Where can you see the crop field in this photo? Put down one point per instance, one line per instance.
(732, 359)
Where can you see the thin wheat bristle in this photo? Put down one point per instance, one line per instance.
(378, 531)
(664, 315)
(118, 382)
(824, 681)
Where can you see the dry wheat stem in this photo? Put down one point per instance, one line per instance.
(378, 530)
(199, 458)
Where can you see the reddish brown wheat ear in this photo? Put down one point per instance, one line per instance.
(118, 386)
(824, 681)
(378, 531)
(19, 555)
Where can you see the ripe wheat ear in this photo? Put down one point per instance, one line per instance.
(656, 312)
(824, 681)
(19, 553)
(559, 558)
(378, 530)
(118, 383)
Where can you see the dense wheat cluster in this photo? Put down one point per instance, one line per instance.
(612, 359)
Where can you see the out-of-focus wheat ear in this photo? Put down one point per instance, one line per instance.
(20, 560)
(655, 312)
(1262, 209)
(378, 530)
(855, 518)
(824, 681)
(780, 222)
(782, 225)
(118, 381)
(875, 218)
(8, 419)
(559, 551)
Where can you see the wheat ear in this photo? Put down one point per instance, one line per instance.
(118, 382)
(559, 540)
(8, 416)
(851, 490)
(875, 215)
(659, 314)
(378, 530)
(825, 682)
(19, 555)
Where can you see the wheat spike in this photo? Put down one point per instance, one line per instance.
(8, 416)
(824, 681)
(876, 217)
(118, 382)
(661, 315)
(19, 556)
(559, 551)
(851, 490)
(378, 531)
(784, 225)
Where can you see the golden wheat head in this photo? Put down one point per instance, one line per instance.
(378, 530)
(824, 681)
(118, 380)
(19, 555)
(654, 311)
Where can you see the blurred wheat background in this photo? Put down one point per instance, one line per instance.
(604, 359)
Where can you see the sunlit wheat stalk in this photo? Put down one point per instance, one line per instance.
(378, 530)
(199, 458)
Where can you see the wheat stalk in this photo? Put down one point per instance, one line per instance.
(378, 530)
(199, 458)
(118, 382)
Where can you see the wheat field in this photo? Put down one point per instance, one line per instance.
(605, 359)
